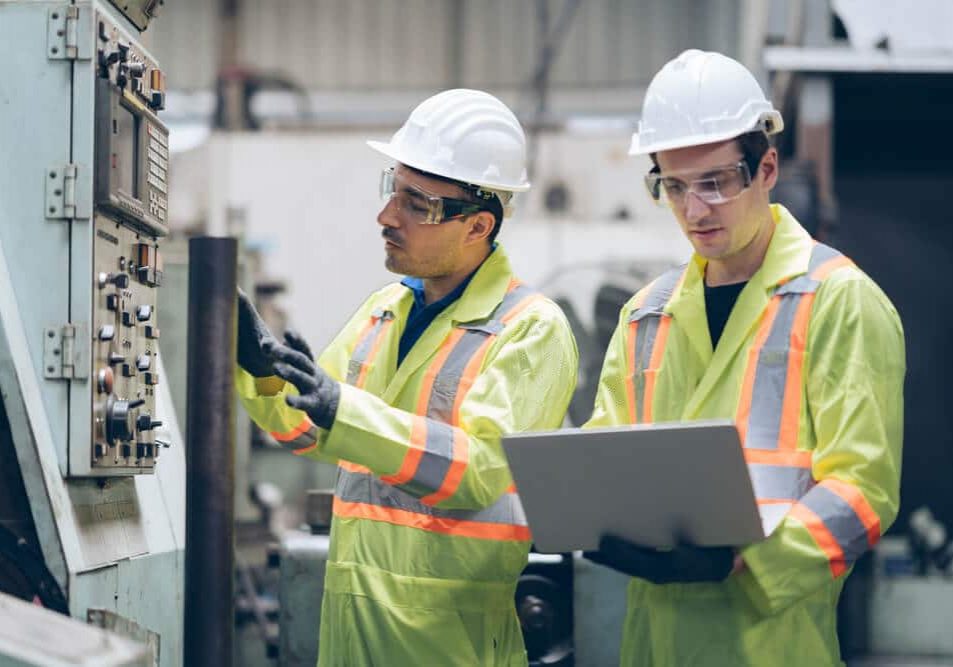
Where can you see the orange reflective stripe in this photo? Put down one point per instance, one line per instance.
(415, 452)
(458, 466)
(822, 536)
(304, 450)
(797, 458)
(791, 408)
(354, 467)
(293, 433)
(472, 369)
(651, 373)
(747, 387)
(853, 497)
(630, 349)
(828, 267)
(423, 399)
(446, 526)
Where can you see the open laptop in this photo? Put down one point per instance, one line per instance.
(652, 484)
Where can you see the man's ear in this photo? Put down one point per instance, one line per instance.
(481, 226)
(769, 168)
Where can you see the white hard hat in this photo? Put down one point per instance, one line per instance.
(465, 135)
(701, 97)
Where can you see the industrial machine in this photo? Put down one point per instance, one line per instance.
(92, 479)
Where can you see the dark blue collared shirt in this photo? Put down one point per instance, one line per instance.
(421, 315)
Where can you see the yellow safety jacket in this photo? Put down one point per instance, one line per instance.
(810, 366)
(428, 537)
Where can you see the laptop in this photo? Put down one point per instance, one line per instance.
(653, 484)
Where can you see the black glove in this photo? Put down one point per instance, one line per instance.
(252, 335)
(318, 393)
(685, 563)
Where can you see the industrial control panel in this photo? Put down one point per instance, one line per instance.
(131, 209)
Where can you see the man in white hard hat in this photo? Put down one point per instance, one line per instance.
(412, 397)
(781, 334)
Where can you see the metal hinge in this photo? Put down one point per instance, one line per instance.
(62, 358)
(61, 192)
(69, 34)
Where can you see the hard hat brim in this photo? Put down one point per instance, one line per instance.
(391, 151)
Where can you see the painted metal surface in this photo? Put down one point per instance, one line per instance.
(114, 546)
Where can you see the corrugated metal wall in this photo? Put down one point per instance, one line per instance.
(362, 45)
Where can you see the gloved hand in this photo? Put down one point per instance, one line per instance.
(684, 564)
(252, 335)
(318, 394)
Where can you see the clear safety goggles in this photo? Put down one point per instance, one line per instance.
(423, 208)
(717, 185)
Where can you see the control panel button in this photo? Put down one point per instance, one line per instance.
(144, 362)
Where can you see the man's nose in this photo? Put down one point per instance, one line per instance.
(695, 207)
(388, 215)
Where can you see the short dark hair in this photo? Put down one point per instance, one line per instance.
(493, 205)
(753, 146)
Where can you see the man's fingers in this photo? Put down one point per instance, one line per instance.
(285, 354)
(304, 382)
(296, 341)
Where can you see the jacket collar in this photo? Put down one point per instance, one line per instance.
(787, 256)
(486, 290)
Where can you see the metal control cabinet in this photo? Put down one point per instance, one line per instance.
(83, 213)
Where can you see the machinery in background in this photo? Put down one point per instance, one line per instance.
(92, 504)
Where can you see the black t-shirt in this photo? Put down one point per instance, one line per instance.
(718, 304)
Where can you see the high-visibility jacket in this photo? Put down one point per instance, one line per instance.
(428, 536)
(810, 366)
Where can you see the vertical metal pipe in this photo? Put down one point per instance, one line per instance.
(210, 482)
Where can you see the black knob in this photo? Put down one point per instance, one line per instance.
(120, 280)
(146, 423)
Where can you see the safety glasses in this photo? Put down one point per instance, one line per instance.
(416, 206)
(717, 185)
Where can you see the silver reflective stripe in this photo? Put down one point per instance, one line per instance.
(366, 344)
(306, 439)
(776, 482)
(443, 394)
(447, 383)
(772, 514)
(435, 462)
(354, 487)
(648, 315)
(771, 372)
(840, 519)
